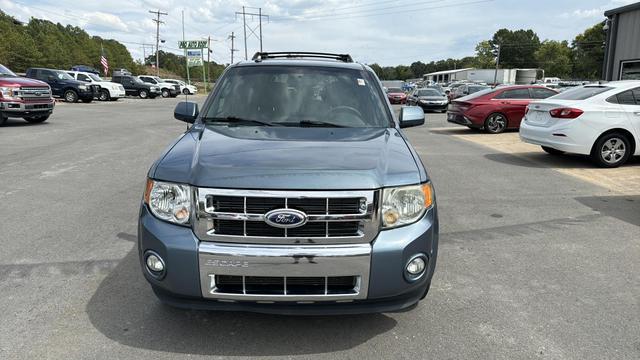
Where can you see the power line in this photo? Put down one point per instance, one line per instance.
(260, 15)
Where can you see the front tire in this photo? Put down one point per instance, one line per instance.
(611, 150)
(165, 93)
(143, 94)
(70, 96)
(104, 95)
(185, 91)
(552, 151)
(3, 119)
(37, 119)
(495, 123)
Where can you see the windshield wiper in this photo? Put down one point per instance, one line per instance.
(237, 120)
(313, 123)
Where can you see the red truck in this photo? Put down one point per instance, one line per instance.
(24, 98)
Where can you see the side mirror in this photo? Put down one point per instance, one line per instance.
(186, 111)
(411, 116)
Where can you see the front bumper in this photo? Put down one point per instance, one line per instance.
(398, 101)
(380, 266)
(20, 109)
(433, 106)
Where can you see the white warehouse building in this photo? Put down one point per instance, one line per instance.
(502, 76)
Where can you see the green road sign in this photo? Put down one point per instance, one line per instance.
(192, 44)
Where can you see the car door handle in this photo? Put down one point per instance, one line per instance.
(505, 102)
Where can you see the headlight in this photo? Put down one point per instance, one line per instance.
(9, 92)
(405, 205)
(82, 87)
(168, 201)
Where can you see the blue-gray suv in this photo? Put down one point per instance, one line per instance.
(294, 191)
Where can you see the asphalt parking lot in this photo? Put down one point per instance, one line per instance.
(534, 262)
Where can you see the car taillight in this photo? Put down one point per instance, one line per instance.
(565, 113)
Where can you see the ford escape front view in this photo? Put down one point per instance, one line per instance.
(293, 192)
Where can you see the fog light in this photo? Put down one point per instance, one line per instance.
(155, 263)
(416, 267)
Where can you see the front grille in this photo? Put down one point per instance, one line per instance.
(230, 215)
(273, 285)
(35, 93)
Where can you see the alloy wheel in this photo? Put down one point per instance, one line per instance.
(496, 123)
(613, 150)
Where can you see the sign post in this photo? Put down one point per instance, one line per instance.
(195, 57)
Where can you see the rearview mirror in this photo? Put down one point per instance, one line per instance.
(411, 116)
(186, 111)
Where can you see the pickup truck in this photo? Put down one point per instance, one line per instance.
(294, 191)
(108, 89)
(63, 85)
(168, 89)
(24, 98)
(136, 87)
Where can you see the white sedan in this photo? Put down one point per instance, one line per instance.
(184, 87)
(600, 120)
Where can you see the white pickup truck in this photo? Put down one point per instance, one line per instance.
(108, 90)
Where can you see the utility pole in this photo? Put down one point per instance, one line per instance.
(233, 49)
(244, 14)
(158, 22)
(185, 51)
(495, 75)
(208, 63)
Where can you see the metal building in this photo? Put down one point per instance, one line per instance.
(622, 51)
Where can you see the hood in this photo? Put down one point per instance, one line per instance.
(433, 98)
(397, 94)
(20, 81)
(249, 157)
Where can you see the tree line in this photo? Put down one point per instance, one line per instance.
(581, 59)
(42, 43)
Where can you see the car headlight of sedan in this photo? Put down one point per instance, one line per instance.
(406, 204)
(169, 201)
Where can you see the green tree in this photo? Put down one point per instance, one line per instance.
(555, 58)
(485, 57)
(588, 53)
(517, 48)
(377, 69)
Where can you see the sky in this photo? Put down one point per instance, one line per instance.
(387, 32)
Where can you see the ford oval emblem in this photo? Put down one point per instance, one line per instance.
(285, 218)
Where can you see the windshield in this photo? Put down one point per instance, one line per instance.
(61, 75)
(6, 72)
(582, 93)
(476, 88)
(428, 92)
(395, 90)
(298, 96)
(135, 79)
(95, 77)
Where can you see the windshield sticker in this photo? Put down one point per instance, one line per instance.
(361, 82)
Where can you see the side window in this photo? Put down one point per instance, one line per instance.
(83, 77)
(514, 94)
(44, 75)
(626, 98)
(539, 93)
(636, 94)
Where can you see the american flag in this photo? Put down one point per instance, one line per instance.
(105, 63)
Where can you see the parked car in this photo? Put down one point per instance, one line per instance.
(136, 87)
(466, 89)
(85, 68)
(24, 98)
(185, 88)
(396, 96)
(296, 192)
(496, 109)
(108, 89)
(65, 86)
(600, 120)
(428, 99)
(167, 89)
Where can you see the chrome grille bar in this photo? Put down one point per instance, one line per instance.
(358, 227)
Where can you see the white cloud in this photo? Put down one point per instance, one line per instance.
(100, 21)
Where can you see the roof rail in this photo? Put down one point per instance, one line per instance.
(259, 56)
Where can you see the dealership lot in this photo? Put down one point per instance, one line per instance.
(537, 259)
